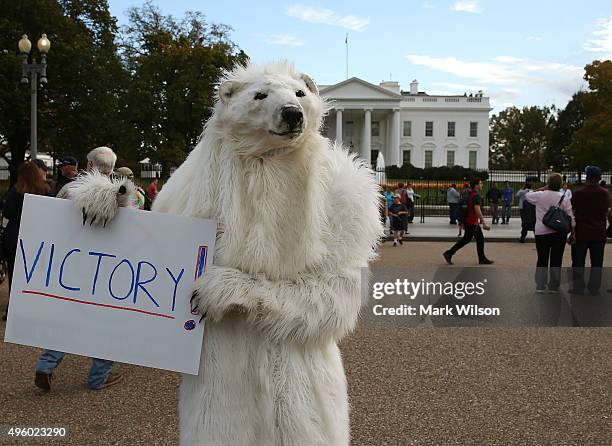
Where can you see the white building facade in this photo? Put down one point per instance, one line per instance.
(408, 127)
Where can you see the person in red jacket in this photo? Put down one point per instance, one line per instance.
(152, 189)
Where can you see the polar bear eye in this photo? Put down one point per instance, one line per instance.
(259, 96)
(300, 94)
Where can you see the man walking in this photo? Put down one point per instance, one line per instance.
(103, 160)
(527, 211)
(493, 197)
(472, 222)
(507, 198)
(590, 204)
(452, 198)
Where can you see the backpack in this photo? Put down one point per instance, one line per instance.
(403, 193)
(463, 207)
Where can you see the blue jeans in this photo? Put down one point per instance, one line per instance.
(506, 212)
(100, 368)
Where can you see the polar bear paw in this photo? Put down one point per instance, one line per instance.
(100, 197)
(215, 294)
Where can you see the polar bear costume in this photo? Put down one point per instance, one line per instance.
(298, 219)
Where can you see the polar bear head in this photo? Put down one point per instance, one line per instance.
(268, 109)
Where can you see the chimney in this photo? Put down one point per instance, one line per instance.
(414, 87)
(391, 86)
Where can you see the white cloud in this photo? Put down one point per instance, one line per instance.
(602, 40)
(459, 88)
(467, 6)
(506, 78)
(282, 39)
(428, 5)
(536, 38)
(328, 17)
(507, 59)
(505, 70)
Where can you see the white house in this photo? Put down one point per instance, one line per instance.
(408, 126)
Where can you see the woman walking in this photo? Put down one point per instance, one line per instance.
(550, 243)
(30, 180)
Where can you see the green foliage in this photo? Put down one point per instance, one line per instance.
(519, 138)
(174, 68)
(149, 97)
(569, 120)
(77, 107)
(592, 142)
(455, 173)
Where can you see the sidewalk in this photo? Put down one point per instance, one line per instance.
(439, 229)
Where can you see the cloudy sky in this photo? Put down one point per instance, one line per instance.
(520, 52)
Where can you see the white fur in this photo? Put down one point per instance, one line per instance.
(298, 219)
(99, 196)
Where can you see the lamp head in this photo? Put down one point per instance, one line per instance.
(44, 44)
(24, 44)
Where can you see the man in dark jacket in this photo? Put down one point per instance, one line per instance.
(67, 172)
(493, 197)
(590, 204)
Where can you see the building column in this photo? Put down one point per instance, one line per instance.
(366, 140)
(394, 144)
(339, 126)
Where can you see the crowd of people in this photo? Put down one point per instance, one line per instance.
(555, 214)
(32, 179)
(397, 207)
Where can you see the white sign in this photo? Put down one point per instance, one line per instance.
(121, 292)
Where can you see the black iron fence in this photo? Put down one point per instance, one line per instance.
(430, 195)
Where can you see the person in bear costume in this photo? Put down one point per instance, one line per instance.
(298, 221)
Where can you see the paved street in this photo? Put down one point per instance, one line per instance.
(425, 386)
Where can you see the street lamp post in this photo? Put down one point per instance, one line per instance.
(30, 72)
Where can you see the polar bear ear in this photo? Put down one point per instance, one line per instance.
(227, 89)
(310, 84)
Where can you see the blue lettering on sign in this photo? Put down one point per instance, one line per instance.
(25, 266)
(61, 273)
(50, 265)
(110, 280)
(176, 280)
(95, 279)
(140, 283)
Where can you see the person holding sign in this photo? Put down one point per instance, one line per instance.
(30, 180)
(100, 164)
(285, 283)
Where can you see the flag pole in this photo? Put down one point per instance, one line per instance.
(346, 43)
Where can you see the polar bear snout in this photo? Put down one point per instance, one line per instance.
(292, 116)
(289, 121)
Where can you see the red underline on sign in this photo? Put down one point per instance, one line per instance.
(70, 299)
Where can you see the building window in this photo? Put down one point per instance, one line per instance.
(450, 158)
(406, 157)
(451, 129)
(473, 159)
(473, 129)
(349, 129)
(407, 128)
(428, 128)
(375, 128)
(428, 158)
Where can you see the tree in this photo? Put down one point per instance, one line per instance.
(592, 142)
(519, 138)
(569, 120)
(174, 69)
(78, 107)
